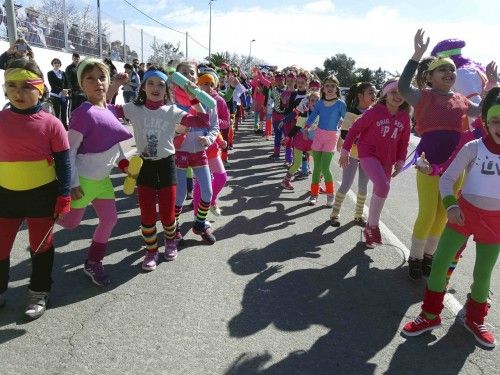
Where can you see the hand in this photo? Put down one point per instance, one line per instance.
(423, 164)
(181, 129)
(456, 216)
(12, 50)
(343, 161)
(397, 168)
(223, 144)
(64, 92)
(76, 193)
(492, 72)
(203, 141)
(419, 44)
(120, 78)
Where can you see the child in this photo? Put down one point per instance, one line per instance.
(34, 179)
(384, 133)
(301, 139)
(154, 128)
(441, 118)
(192, 154)
(361, 96)
(94, 136)
(207, 83)
(476, 212)
(331, 110)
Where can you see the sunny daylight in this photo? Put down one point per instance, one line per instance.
(262, 187)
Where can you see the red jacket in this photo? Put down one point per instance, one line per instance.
(381, 135)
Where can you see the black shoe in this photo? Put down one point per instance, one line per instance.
(426, 265)
(415, 268)
(274, 156)
(334, 222)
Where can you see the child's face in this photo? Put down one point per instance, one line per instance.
(312, 101)
(207, 87)
(155, 89)
(290, 82)
(394, 99)
(443, 77)
(494, 129)
(301, 84)
(21, 94)
(367, 97)
(189, 72)
(95, 85)
(330, 89)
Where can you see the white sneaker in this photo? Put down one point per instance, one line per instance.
(215, 210)
(37, 304)
(312, 200)
(329, 200)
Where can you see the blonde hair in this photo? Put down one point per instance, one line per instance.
(86, 65)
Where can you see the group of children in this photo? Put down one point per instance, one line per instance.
(48, 176)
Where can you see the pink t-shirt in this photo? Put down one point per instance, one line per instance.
(30, 137)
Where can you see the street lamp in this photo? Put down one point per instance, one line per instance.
(210, 30)
(250, 53)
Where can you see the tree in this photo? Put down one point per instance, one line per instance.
(219, 58)
(364, 75)
(341, 66)
(380, 76)
(164, 52)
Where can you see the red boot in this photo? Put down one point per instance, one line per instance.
(475, 313)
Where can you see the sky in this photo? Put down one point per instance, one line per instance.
(305, 33)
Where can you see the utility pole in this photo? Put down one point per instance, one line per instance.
(210, 29)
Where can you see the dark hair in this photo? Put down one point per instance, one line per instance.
(492, 98)
(351, 99)
(383, 99)
(141, 96)
(334, 80)
(76, 54)
(54, 61)
(421, 76)
(127, 66)
(29, 65)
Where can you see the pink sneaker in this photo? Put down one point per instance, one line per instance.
(369, 237)
(170, 250)
(286, 184)
(420, 325)
(150, 261)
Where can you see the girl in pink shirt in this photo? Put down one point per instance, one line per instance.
(384, 133)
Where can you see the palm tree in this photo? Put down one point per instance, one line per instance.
(219, 58)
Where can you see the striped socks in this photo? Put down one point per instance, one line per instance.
(170, 230)
(339, 199)
(360, 202)
(149, 236)
(199, 221)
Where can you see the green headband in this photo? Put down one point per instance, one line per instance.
(494, 111)
(450, 52)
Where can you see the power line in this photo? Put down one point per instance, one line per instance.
(155, 20)
(194, 40)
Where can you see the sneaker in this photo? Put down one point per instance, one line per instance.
(2, 301)
(329, 200)
(150, 261)
(286, 184)
(377, 235)
(415, 268)
(420, 325)
(312, 200)
(37, 304)
(481, 333)
(426, 265)
(369, 233)
(360, 221)
(300, 176)
(170, 250)
(334, 221)
(96, 273)
(178, 237)
(215, 210)
(206, 234)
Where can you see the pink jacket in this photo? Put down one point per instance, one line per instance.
(381, 135)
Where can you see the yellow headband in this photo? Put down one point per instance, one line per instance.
(493, 111)
(19, 74)
(439, 62)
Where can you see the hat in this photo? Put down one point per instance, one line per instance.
(440, 61)
(206, 78)
(314, 84)
(448, 47)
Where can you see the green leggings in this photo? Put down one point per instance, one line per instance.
(486, 257)
(297, 161)
(322, 161)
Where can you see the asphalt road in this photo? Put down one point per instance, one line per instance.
(281, 292)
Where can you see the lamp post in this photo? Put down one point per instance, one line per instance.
(210, 29)
(250, 53)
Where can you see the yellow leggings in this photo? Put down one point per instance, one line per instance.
(431, 217)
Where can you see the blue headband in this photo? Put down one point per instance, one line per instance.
(155, 73)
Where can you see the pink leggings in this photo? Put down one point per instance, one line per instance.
(379, 175)
(218, 182)
(106, 212)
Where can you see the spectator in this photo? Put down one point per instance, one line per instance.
(131, 88)
(112, 73)
(20, 49)
(3, 24)
(55, 36)
(59, 92)
(77, 95)
(74, 39)
(35, 28)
